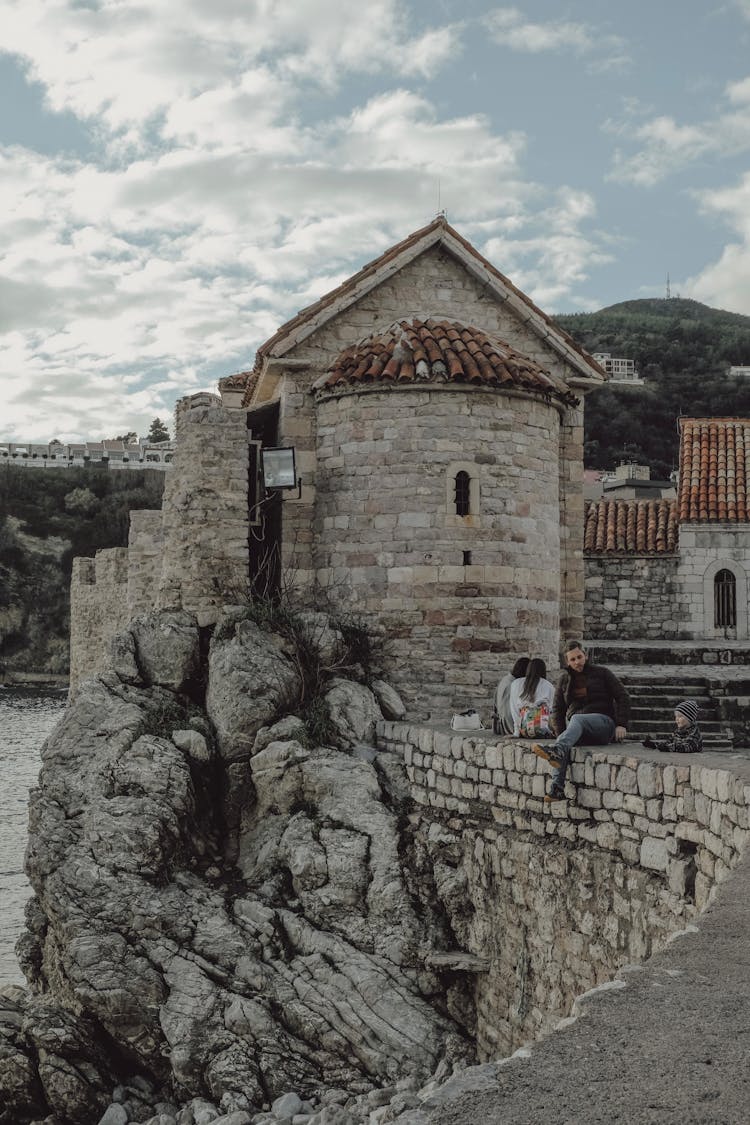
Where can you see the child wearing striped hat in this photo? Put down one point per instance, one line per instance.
(687, 738)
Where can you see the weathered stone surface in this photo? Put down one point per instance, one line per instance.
(166, 648)
(354, 711)
(389, 700)
(253, 681)
(231, 988)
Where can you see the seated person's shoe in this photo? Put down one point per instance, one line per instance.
(556, 793)
(548, 755)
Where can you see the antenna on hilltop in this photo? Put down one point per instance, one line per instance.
(669, 291)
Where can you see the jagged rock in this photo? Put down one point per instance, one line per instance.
(299, 970)
(252, 682)
(289, 729)
(166, 648)
(353, 710)
(389, 700)
(193, 743)
(50, 1061)
(323, 636)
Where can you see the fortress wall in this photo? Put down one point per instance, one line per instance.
(145, 555)
(557, 898)
(98, 610)
(632, 598)
(205, 510)
(571, 524)
(389, 544)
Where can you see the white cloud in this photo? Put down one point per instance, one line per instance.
(663, 146)
(215, 205)
(126, 64)
(725, 283)
(510, 28)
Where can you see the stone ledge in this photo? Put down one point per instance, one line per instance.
(684, 818)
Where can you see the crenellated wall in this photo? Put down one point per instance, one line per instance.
(192, 554)
(98, 609)
(556, 898)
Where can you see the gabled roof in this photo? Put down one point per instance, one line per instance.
(631, 527)
(419, 351)
(714, 470)
(438, 232)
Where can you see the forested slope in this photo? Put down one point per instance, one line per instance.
(47, 517)
(683, 350)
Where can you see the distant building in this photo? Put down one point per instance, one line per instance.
(631, 481)
(103, 454)
(620, 370)
(743, 371)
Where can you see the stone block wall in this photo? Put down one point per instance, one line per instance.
(571, 524)
(205, 559)
(559, 896)
(145, 554)
(633, 597)
(704, 550)
(433, 284)
(458, 595)
(98, 610)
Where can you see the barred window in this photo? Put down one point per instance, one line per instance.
(463, 481)
(725, 600)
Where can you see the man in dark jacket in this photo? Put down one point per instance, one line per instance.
(591, 706)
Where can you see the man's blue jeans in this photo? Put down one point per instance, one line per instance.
(588, 730)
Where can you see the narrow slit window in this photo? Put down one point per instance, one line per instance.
(725, 600)
(463, 481)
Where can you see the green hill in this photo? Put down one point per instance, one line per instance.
(48, 517)
(683, 350)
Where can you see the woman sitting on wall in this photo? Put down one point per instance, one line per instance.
(531, 702)
(502, 720)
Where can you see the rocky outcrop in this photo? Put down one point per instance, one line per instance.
(297, 967)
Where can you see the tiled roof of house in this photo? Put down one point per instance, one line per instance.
(438, 230)
(631, 527)
(714, 470)
(234, 382)
(414, 351)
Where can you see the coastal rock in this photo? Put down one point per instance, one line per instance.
(353, 711)
(296, 970)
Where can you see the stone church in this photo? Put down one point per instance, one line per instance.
(436, 418)
(678, 568)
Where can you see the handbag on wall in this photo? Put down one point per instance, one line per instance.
(535, 721)
(467, 720)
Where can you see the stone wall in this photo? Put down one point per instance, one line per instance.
(433, 284)
(205, 511)
(145, 554)
(458, 595)
(98, 610)
(704, 550)
(632, 597)
(558, 897)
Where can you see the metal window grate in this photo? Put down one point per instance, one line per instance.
(725, 600)
(462, 493)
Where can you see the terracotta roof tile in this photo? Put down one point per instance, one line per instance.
(631, 527)
(438, 351)
(235, 382)
(714, 470)
(314, 311)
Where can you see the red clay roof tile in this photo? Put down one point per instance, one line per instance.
(439, 351)
(318, 308)
(714, 470)
(631, 527)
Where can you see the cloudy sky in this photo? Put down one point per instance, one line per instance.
(178, 177)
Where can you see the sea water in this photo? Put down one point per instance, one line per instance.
(27, 715)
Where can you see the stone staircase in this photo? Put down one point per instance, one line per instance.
(653, 703)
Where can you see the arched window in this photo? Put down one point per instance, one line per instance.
(463, 482)
(725, 600)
